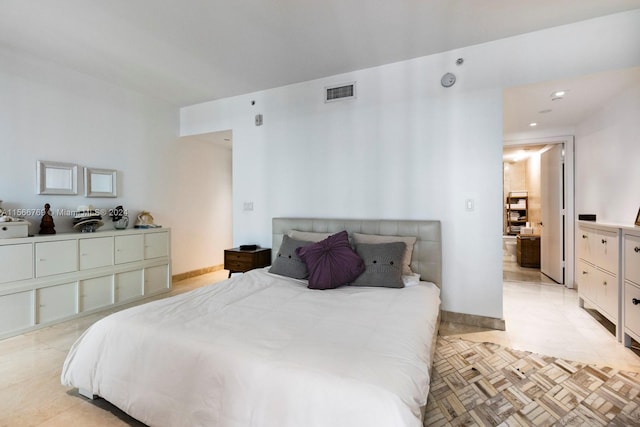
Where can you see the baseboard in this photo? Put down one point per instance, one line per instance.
(195, 273)
(473, 320)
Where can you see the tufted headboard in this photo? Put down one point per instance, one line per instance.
(427, 252)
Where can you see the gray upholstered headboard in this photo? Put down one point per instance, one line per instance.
(427, 252)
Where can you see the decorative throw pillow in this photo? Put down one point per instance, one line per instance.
(331, 262)
(359, 238)
(383, 264)
(287, 262)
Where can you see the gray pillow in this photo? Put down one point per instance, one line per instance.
(383, 264)
(287, 263)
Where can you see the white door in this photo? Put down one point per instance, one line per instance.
(551, 205)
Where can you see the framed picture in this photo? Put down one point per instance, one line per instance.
(100, 182)
(638, 218)
(56, 178)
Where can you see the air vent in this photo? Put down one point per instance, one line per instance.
(340, 92)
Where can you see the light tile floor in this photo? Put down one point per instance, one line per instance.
(30, 367)
(544, 318)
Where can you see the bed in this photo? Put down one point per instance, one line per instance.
(262, 349)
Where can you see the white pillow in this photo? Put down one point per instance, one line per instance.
(411, 280)
(376, 238)
(308, 236)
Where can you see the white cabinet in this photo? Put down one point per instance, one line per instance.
(95, 293)
(56, 302)
(129, 248)
(156, 245)
(631, 274)
(96, 252)
(16, 262)
(598, 270)
(16, 312)
(585, 276)
(56, 257)
(47, 279)
(129, 285)
(632, 257)
(156, 279)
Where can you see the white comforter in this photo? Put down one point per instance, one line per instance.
(263, 350)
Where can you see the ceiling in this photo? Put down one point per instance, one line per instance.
(191, 51)
(536, 103)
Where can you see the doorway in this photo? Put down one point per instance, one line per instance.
(538, 186)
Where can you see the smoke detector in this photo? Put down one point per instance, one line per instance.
(448, 80)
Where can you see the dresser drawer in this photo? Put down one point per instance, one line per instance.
(632, 258)
(129, 248)
(56, 257)
(16, 262)
(96, 252)
(238, 264)
(631, 310)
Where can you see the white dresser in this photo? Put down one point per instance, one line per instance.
(47, 279)
(631, 272)
(598, 270)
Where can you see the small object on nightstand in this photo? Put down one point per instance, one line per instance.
(237, 260)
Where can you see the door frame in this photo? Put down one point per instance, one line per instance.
(569, 197)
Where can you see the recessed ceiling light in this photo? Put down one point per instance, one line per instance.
(559, 94)
(532, 124)
(548, 110)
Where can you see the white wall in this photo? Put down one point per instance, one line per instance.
(48, 112)
(406, 147)
(608, 160)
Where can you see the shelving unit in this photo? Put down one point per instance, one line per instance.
(517, 209)
(51, 278)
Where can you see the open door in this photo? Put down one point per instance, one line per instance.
(552, 210)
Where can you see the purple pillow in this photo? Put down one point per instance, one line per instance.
(331, 262)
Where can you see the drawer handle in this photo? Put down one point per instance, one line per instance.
(584, 236)
(637, 249)
(635, 301)
(585, 272)
(604, 283)
(604, 241)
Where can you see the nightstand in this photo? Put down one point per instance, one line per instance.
(239, 261)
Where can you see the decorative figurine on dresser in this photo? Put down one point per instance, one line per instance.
(120, 218)
(145, 220)
(46, 224)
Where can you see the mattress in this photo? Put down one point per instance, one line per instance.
(263, 350)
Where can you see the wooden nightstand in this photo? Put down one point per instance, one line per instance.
(239, 261)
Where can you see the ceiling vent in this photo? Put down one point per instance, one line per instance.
(340, 92)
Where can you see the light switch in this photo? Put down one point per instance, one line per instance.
(469, 205)
(248, 206)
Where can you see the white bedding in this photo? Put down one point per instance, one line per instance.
(263, 350)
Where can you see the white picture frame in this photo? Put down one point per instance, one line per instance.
(56, 178)
(100, 182)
